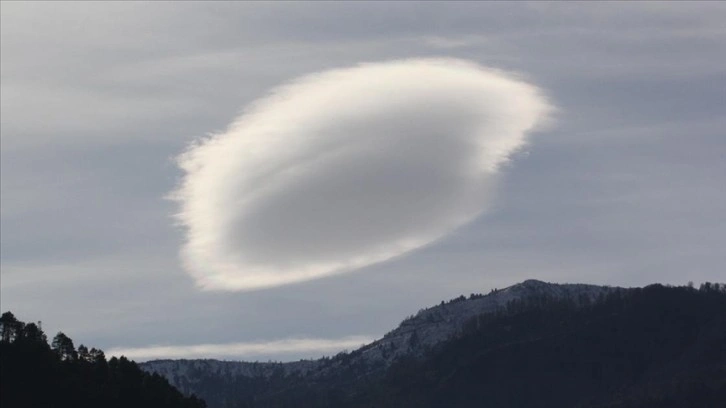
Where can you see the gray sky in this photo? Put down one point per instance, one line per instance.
(625, 187)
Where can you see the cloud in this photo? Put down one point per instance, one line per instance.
(349, 167)
(243, 350)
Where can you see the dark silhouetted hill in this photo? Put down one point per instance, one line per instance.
(34, 374)
(534, 344)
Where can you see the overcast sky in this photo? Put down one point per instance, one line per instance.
(613, 171)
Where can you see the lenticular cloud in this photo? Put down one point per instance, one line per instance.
(350, 167)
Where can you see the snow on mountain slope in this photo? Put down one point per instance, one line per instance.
(412, 337)
(439, 323)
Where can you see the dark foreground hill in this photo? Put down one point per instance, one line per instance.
(34, 374)
(531, 345)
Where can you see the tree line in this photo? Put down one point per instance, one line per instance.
(36, 374)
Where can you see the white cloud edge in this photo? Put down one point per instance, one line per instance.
(212, 272)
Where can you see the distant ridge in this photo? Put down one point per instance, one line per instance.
(412, 337)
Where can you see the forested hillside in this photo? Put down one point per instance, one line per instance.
(651, 347)
(34, 374)
(646, 347)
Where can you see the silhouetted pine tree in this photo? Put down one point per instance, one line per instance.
(34, 375)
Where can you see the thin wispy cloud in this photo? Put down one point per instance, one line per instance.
(245, 350)
(347, 168)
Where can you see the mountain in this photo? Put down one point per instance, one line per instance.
(34, 374)
(534, 344)
(439, 323)
(652, 347)
(412, 337)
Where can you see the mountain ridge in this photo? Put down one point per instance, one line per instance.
(412, 337)
(572, 345)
